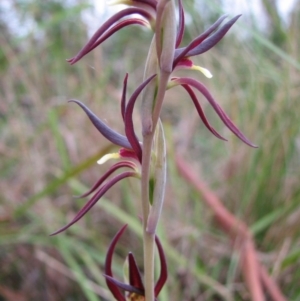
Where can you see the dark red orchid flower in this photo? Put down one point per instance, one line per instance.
(205, 41)
(202, 43)
(143, 8)
(135, 287)
(130, 153)
(147, 9)
(187, 83)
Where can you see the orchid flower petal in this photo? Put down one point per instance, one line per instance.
(226, 120)
(105, 130)
(126, 287)
(115, 28)
(129, 129)
(163, 268)
(201, 113)
(96, 198)
(114, 284)
(115, 167)
(181, 24)
(213, 39)
(182, 52)
(110, 22)
(123, 99)
(108, 263)
(135, 278)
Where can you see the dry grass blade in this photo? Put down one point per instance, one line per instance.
(66, 271)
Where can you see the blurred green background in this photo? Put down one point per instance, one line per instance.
(49, 151)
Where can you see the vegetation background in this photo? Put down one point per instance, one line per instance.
(49, 149)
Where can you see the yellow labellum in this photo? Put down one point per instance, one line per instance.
(108, 157)
(205, 71)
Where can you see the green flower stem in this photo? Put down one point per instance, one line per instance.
(163, 84)
(149, 243)
(159, 60)
(148, 238)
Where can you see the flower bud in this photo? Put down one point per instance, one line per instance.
(166, 33)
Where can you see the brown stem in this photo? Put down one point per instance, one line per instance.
(270, 285)
(250, 267)
(254, 273)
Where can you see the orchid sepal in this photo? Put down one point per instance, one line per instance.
(223, 116)
(115, 167)
(109, 33)
(91, 203)
(106, 26)
(105, 130)
(201, 112)
(180, 53)
(129, 129)
(180, 31)
(206, 44)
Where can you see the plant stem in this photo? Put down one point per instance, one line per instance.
(163, 83)
(149, 265)
(148, 239)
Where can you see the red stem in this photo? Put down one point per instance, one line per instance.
(254, 272)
